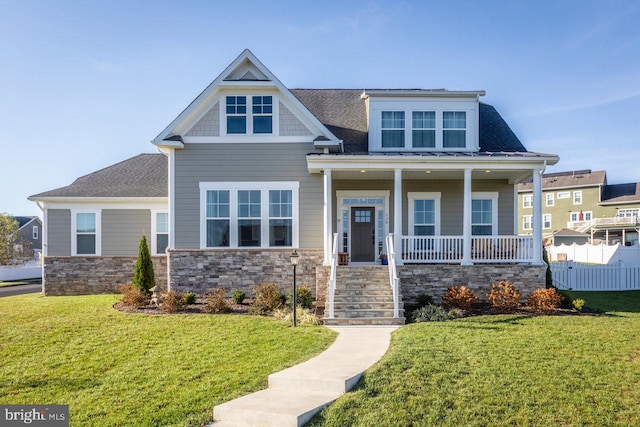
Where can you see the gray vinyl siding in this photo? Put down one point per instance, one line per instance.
(261, 162)
(58, 232)
(122, 230)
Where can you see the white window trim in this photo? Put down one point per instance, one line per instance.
(412, 197)
(527, 200)
(544, 216)
(493, 196)
(35, 232)
(527, 219)
(74, 241)
(263, 187)
(275, 115)
(364, 194)
(564, 194)
(577, 215)
(550, 199)
(154, 230)
(577, 193)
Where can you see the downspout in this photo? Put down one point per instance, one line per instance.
(45, 240)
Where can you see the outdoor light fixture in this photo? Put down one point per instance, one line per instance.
(294, 261)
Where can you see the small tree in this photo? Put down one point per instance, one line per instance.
(143, 276)
(13, 249)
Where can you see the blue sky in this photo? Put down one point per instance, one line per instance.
(85, 84)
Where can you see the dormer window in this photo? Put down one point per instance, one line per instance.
(236, 114)
(454, 125)
(253, 118)
(392, 129)
(423, 133)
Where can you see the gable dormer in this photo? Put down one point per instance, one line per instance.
(246, 103)
(423, 120)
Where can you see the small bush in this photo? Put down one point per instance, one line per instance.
(266, 298)
(143, 275)
(173, 302)
(304, 297)
(434, 313)
(459, 297)
(578, 304)
(424, 300)
(504, 296)
(132, 296)
(303, 316)
(217, 302)
(238, 296)
(189, 298)
(544, 299)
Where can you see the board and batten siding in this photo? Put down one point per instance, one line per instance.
(122, 230)
(259, 162)
(58, 232)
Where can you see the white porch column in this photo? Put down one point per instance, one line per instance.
(537, 217)
(397, 214)
(466, 220)
(327, 217)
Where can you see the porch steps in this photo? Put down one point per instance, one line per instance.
(363, 296)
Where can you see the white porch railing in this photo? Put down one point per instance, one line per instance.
(603, 222)
(332, 276)
(393, 276)
(449, 249)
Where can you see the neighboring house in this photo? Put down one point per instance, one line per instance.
(580, 207)
(31, 232)
(254, 170)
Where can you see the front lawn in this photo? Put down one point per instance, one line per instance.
(506, 370)
(121, 369)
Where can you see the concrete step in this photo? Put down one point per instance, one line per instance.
(362, 305)
(364, 321)
(355, 313)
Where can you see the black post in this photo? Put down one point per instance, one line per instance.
(294, 296)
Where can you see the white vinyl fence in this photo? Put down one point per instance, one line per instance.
(581, 277)
(595, 254)
(28, 270)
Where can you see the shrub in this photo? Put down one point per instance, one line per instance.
(132, 296)
(434, 313)
(459, 297)
(238, 296)
(304, 297)
(189, 298)
(143, 275)
(544, 299)
(266, 298)
(303, 316)
(578, 304)
(217, 302)
(173, 302)
(423, 300)
(504, 296)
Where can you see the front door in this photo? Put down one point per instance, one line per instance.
(363, 234)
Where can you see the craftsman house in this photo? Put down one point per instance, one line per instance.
(252, 170)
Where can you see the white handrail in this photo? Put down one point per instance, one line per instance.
(332, 276)
(393, 276)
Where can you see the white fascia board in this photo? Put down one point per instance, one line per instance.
(474, 94)
(317, 163)
(105, 202)
(167, 144)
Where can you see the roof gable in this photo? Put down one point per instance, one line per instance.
(246, 71)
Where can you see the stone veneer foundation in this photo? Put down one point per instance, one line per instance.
(434, 279)
(94, 275)
(199, 270)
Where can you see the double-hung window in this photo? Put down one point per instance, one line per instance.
(424, 214)
(550, 199)
(484, 218)
(527, 200)
(262, 114)
(236, 114)
(217, 218)
(527, 222)
(577, 197)
(454, 125)
(35, 232)
(546, 221)
(249, 214)
(423, 134)
(85, 227)
(161, 232)
(392, 129)
(249, 221)
(280, 217)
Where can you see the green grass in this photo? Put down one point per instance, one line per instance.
(507, 370)
(123, 369)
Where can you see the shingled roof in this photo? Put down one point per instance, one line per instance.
(621, 193)
(580, 178)
(343, 112)
(144, 175)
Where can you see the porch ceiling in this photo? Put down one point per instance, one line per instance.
(513, 176)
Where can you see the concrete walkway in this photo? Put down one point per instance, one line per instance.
(297, 393)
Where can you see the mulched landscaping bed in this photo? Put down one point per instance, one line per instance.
(196, 308)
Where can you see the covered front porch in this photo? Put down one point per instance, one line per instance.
(438, 210)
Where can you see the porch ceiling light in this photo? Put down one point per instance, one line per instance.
(487, 171)
(363, 170)
(427, 172)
